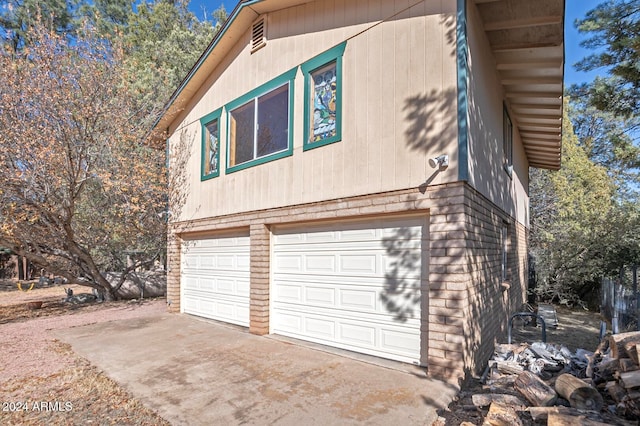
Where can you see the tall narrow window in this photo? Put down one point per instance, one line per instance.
(260, 124)
(507, 141)
(505, 251)
(323, 98)
(210, 125)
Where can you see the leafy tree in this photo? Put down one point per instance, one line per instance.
(614, 28)
(605, 111)
(77, 186)
(109, 17)
(18, 16)
(165, 40)
(608, 143)
(570, 216)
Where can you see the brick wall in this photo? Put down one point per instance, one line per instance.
(467, 301)
(173, 271)
(259, 276)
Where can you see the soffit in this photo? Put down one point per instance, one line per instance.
(527, 40)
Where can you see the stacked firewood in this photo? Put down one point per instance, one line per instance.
(540, 383)
(616, 370)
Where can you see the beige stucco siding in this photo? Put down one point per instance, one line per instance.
(486, 100)
(399, 106)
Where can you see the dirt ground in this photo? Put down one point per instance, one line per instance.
(41, 380)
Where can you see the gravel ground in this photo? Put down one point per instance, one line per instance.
(35, 368)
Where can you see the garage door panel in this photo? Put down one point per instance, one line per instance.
(321, 328)
(319, 263)
(320, 296)
(355, 286)
(358, 246)
(226, 262)
(227, 286)
(292, 263)
(386, 281)
(388, 318)
(215, 278)
(318, 237)
(289, 322)
(205, 284)
(371, 338)
(205, 262)
(362, 300)
(366, 295)
(398, 341)
(364, 335)
(244, 288)
(214, 309)
(358, 264)
(243, 261)
(189, 261)
(288, 293)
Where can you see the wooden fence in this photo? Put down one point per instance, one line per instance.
(620, 301)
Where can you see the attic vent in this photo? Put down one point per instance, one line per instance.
(258, 34)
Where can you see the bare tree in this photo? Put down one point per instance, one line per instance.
(78, 185)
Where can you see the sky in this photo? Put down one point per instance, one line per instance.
(574, 9)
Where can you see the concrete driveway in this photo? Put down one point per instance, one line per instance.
(198, 372)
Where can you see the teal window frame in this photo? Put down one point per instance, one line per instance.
(204, 121)
(283, 79)
(334, 54)
(507, 141)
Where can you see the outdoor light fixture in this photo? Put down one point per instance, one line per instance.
(439, 162)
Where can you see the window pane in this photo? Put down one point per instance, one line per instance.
(241, 134)
(273, 121)
(323, 111)
(507, 138)
(212, 147)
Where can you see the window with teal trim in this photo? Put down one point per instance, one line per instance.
(210, 145)
(260, 124)
(323, 98)
(507, 141)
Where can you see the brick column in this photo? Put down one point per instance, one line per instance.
(174, 243)
(259, 265)
(448, 286)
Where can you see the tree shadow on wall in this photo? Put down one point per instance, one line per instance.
(401, 293)
(180, 153)
(432, 118)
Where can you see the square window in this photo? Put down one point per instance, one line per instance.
(323, 98)
(260, 124)
(210, 126)
(273, 121)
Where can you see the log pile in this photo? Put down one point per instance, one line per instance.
(539, 383)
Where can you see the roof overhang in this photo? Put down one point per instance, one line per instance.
(527, 40)
(238, 22)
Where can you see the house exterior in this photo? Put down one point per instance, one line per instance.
(354, 173)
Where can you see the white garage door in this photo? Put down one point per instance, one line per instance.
(215, 278)
(354, 286)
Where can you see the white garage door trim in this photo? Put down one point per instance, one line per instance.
(214, 278)
(332, 284)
